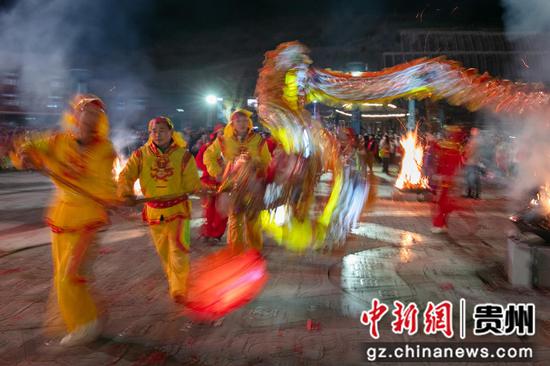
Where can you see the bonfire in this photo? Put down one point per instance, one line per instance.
(542, 199)
(535, 218)
(410, 177)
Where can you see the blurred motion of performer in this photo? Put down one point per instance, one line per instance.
(239, 141)
(429, 164)
(473, 165)
(214, 227)
(371, 149)
(352, 148)
(80, 162)
(384, 153)
(449, 157)
(167, 174)
(270, 142)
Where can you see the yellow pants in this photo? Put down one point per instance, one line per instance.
(69, 254)
(244, 232)
(172, 243)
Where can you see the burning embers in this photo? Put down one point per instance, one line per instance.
(118, 165)
(542, 200)
(410, 177)
(535, 218)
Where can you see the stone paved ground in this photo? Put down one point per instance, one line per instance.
(391, 255)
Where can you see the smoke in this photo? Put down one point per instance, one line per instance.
(527, 29)
(35, 45)
(522, 16)
(515, 151)
(527, 26)
(60, 47)
(534, 153)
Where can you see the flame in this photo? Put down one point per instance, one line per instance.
(118, 165)
(410, 176)
(543, 198)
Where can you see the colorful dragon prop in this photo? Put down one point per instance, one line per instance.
(287, 82)
(308, 150)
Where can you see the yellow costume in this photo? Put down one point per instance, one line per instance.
(169, 176)
(84, 187)
(244, 230)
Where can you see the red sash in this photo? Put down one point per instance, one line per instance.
(166, 203)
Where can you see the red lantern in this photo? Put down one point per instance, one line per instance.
(223, 282)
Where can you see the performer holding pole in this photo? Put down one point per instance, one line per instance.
(81, 157)
(239, 140)
(165, 168)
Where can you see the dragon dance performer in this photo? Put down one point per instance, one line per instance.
(238, 142)
(167, 172)
(215, 224)
(449, 157)
(79, 160)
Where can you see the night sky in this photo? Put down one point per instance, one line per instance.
(172, 21)
(160, 25)
(178, 50)
(214, 34)
(177, 16)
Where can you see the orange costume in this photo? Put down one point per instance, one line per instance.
(166, 178)
(244, 230)
(84, 187)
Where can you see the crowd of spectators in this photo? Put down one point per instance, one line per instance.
(497, 153)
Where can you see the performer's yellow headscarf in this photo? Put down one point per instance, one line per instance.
(176, 136)
(69, 122)
(229, 131)
(79, 104)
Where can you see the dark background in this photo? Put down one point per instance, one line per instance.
(171, 53)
